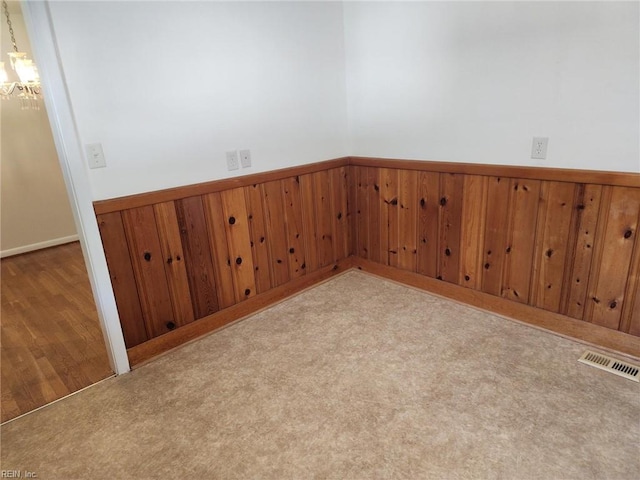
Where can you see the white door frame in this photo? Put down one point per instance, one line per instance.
(37, 18)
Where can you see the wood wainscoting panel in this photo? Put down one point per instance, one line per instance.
(340, 204)
(450, 219)
(552, 244)
(473, 224)
(362, 212)
(324, 221)
(309, 222)
(258, 238)
(496, 234)
(197, 255)
(560, 241)
(295, 226)
(234, 208)
(224, 317)
(428, 223)
(199, 252)
(273, 204)
(174, 262)
(220, 257)
(408, 220)
(588, 208)
(114, 242)
(524, 196)
(148, 268)
(558, 245)
(619, 227)
(372, 229)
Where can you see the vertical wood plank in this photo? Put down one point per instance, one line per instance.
(309, 222)
(362, 212)
(258, 236)
(588, 207)
(174, 262)
(239, 243)
(630, 321)
(389, 240)
(408, 206)
(451, 186)
(221, 260)
(276, 229)
(634, 313)
(324, 223)
(351, 209)
(474, 206)
(339, 187)
(607, 290)
(428, 223)
(519, 253)
(555, 213)
(148, 267)
(123, 282)
(373, 214)
(197, 254)
(495, 236)
(295, 226)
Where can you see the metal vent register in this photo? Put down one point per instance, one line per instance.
(611, 365)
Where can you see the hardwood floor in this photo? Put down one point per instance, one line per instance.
(51, 344)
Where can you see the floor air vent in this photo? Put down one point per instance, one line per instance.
(611, 365)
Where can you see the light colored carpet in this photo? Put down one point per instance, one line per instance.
(357, 378)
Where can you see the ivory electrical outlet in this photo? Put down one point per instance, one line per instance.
(233, 162)
(539, 147)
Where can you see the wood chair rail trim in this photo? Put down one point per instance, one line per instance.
(176, 193)
(625, 179)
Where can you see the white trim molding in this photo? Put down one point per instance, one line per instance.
(38, 246)
(63, 126)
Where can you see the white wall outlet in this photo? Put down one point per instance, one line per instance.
(539, 147)
(233, 163)
(245, 158)
(95, 155)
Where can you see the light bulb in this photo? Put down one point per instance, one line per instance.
(26, 70)
(4, 78)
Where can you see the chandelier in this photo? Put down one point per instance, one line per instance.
(27, 88)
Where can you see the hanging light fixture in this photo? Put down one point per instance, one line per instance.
(27, 88)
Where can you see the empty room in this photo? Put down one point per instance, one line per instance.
(333, 239)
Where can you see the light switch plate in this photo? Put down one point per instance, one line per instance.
(245, 158)
(95, 155)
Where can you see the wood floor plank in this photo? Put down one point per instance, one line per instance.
(51, 341)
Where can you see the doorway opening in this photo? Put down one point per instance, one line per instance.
(51, 342)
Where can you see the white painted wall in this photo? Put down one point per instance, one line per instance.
(168, 87)
(474, 82)
(35, 207)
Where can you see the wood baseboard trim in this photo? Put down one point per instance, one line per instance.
(195, 330)
(38, 246)
(601, 337)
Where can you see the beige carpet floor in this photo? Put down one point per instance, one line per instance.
(357, 378)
